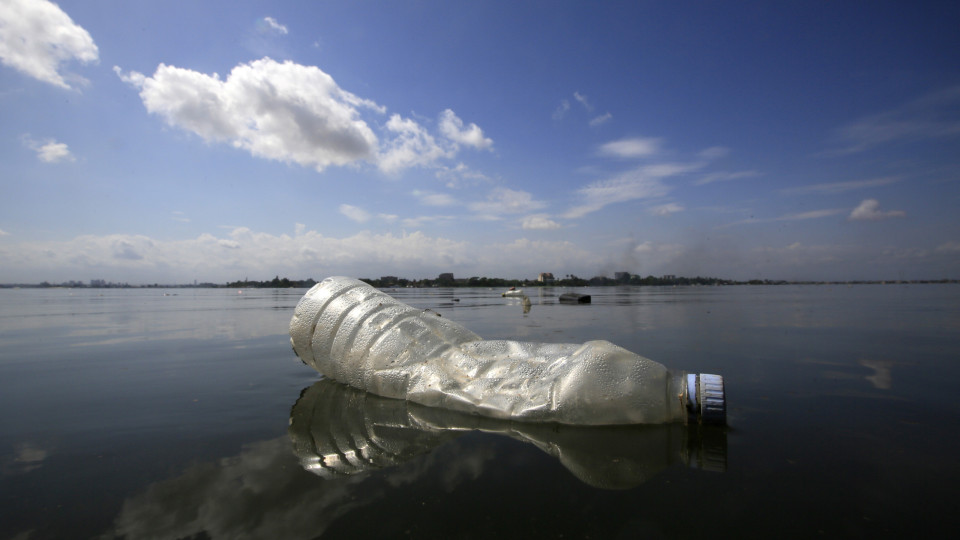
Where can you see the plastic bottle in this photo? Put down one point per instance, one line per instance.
(362, 337)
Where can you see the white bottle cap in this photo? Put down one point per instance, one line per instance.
(706, 399)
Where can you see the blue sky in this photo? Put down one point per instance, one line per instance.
(166, 142)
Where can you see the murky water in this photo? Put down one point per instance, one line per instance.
(184, 413)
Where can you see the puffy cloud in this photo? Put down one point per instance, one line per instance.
(452, 128)
(280, 111)
(295, 113)
(869, 210)
(411, 146)
(631, 148)
(355, 213)
(4, 233)
(506, 201)
(640, 183)
(36, 37)
(49, 151)
(539, 222)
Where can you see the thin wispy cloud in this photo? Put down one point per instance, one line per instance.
(869, 210)
(539, 222)
(600, 120)
(431, 198)
(273, 26)
(666, 209)
(841, 187)
(795, 216)
(641, 183)
(635, 147)
(724, 177)
(355, 213)
(582, 99)
(504, 200)
(37, 38)
(933, 116)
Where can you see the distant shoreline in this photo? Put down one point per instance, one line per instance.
(600, 281)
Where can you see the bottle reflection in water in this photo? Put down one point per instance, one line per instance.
(364, 338)
(337, 430)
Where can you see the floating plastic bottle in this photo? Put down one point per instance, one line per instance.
(362, 337)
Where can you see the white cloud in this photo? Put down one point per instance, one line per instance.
(506, 201)
(724, 176)
(561, 110)
(36, 37)
(275, 26)
(280, 111)
(842, 187)
(640, 183)
(180, 216)
(355, 213)
(869, 210)
(666, 209)
(431, 198)
(412, 146)
(813, 214)
(631, 148)
(419, 221)
(714, 152)
(49, 150)
(4, 233)
(459, 175)
(583, 101)
(797, 216)
(602, 119)
(539, 222)
(295, 113)
(929, 117)
(452, 128)
(948, 247)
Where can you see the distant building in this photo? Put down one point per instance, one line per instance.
(669, 277)
(389, 280)
(98, 283)
(445, 277)
(622, 277)
(545, 277)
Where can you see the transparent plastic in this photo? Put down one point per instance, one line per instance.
(362, 337)
(340, 431)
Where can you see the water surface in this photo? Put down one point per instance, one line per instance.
(148, 413)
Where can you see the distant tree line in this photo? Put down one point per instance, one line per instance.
(275, 283)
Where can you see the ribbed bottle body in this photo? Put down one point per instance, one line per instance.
(362, 337)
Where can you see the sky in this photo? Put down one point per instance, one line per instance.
(146, 142)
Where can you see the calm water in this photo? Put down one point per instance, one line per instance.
(139, 414)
